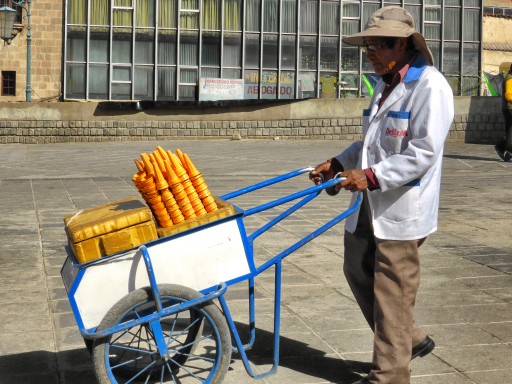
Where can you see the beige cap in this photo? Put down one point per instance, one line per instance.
(391, 21)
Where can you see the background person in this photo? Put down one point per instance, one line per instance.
(504, 148)
(397, 165)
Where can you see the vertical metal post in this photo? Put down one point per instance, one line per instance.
(29, 55)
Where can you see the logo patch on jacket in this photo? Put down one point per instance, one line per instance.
(395, 132)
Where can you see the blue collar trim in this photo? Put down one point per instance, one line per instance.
(416, 69)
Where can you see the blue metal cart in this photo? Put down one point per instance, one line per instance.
(148, 315)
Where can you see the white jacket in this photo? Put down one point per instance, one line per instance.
(403, 145)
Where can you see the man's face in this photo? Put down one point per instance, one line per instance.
(382, 58)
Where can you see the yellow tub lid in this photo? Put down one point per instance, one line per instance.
(106, 218)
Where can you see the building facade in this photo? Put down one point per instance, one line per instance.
(497, 41)
(46, 56)
(163, 50)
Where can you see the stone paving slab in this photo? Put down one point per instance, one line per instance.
(464, 302)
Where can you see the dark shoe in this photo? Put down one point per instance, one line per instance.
(500, 152)
(507, 157)
(424, 348)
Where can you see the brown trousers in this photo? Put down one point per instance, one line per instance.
(384, 276)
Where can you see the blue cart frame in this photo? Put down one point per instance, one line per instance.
(217, 292)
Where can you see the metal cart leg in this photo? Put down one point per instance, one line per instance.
(277, 323)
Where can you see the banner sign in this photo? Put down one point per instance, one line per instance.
(220, 89)
(269, 87)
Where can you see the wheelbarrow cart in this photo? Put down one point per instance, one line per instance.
(149, 315)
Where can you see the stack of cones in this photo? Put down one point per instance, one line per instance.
(199, 184)
(172, 187)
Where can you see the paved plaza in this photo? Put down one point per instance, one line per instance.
(464, 301)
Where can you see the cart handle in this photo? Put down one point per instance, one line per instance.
(342, 216)
(310, 194)
(266, 183)
(309, 191)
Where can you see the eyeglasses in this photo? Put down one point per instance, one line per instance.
(373, 47)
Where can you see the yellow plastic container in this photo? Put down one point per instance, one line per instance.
(109, 228)
(224, 209)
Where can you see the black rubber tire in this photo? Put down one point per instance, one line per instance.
(200, 343)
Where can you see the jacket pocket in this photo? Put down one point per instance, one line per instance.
(395, 134)
(398, 205)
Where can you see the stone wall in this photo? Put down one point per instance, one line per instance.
(477, 120)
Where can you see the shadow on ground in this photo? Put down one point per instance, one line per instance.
(300, 357)
(43, 367)
(476, 158)
(75, 366)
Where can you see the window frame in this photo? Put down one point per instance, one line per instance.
(10, 78)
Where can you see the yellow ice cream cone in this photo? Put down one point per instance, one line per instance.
(191, 169)
(148, 189)
(188, 212)
(181, 157)
(202, 190)
(139, 165)
(165, 194)
(176, 165)
(159, 161)
(161, 183)
(171, 205)
(166, 223)
(198, 206)
(208, 200)
(211, 207)
(162, 152)
(177, 217)
(159, 206)
(148, 166)
(172, 178)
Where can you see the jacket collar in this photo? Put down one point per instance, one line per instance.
(413, 74)
(416, 69)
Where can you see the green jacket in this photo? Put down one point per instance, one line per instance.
(506, 93)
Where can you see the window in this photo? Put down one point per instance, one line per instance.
(309, 16)
(351, 22)
(471, 24)
(452, 24)
(330, 21)
(252, 15)
(8, 83)
(232, 15)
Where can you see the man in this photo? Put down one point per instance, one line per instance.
(504, 148)
(397, 165)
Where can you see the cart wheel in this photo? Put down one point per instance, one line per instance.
(198, 341)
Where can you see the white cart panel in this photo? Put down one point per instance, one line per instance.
(199, 260)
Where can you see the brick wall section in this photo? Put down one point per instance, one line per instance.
(477, 120)
(476, 129)
(38, 132)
